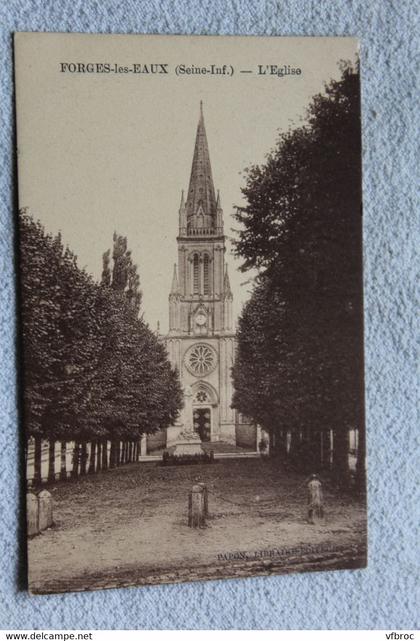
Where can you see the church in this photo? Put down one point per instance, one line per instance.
(201, 338)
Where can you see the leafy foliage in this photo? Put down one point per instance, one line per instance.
(299, 361)
(92, 367)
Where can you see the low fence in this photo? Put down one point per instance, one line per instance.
(60, 460)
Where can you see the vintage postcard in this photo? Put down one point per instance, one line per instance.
(190, 236)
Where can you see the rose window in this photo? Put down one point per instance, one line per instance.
(200, 359)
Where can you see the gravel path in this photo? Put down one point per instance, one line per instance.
(129, 527)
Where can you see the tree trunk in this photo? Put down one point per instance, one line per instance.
(294, 446)
(283, 444)
(83, 458)
(326, 449)
(51, 460)
(315, 449)
(92, 459)
(113, 454)
(63, 460)
(76, 457)
(340, 466)
(98, 454)
(37, 459)
(117, 453)
(272, 438)
(105, 454)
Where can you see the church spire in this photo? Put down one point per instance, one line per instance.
(201, 201)
(182, 216)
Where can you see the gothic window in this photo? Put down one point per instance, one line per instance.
(196, 274)
(206, 275)
(200, 359)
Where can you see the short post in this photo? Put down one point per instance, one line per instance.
(196, 516)
(315, 500)
(32, 514)
(205, 500)
(45, 510)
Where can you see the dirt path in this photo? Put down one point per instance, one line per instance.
(129, 526)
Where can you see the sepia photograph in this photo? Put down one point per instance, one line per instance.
(191, 301)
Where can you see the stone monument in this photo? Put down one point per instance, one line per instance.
(188, 442)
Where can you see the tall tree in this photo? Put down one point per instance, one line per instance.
(301, 229)
(92, 367)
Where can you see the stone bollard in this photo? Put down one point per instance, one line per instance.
(205, 500)
(45, 510)
(32, 514)
(196, 516)
(315, 500)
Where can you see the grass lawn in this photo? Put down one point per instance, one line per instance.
(128, 526)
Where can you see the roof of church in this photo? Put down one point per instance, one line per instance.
(201, 188)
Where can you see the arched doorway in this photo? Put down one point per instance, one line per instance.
(202, 422)
(204, 401)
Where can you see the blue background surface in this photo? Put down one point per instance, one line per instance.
(384, 595)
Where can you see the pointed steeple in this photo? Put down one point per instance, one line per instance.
(182, 216)
(226, 285)
(201, 200)
(175, 284)
(219, 214)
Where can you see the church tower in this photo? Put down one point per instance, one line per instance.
(201, 338)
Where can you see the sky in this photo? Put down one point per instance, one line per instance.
(99, 153)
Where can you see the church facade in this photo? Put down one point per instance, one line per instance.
(201, 338)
